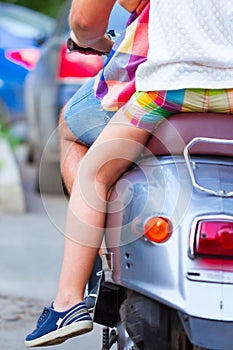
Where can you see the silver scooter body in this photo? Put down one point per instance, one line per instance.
(187, 190)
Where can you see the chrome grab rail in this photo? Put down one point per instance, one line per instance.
(189, 163)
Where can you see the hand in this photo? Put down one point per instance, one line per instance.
(101, 47)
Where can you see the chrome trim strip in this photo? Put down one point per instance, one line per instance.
(211, 276)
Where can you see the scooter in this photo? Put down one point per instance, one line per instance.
(167, 281)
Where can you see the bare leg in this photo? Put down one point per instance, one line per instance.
(115, 149)
(71, 153)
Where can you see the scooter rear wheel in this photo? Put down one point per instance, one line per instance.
(148, 325)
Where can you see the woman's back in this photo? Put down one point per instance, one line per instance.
(190, 45)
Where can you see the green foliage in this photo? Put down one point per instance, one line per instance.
(5, 133)
(48, 7)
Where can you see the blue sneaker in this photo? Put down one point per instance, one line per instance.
(55, 327)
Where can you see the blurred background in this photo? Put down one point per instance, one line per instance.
(37, 77)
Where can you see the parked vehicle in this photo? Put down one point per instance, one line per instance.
(22, 31)
(56, 77)
(167, 278)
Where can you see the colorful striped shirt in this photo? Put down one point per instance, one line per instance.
(116, 84)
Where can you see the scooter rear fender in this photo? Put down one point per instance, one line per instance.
(165, 272)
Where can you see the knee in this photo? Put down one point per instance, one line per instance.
(64, 131)
(94, 177)
(104, 179)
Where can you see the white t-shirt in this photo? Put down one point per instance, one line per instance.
(190, 45)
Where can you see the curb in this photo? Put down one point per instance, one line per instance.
(11, 190)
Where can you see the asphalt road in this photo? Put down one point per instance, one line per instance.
(31, 247)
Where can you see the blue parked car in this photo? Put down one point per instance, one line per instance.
(22, 32)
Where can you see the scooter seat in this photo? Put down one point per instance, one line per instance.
(174, 133)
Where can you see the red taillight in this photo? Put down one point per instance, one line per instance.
(214, 238)
(77, 65)
(26, 58)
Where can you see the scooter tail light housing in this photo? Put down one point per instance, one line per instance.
(75, 65)
(158, 229)
(214, 239)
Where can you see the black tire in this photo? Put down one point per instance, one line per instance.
(152, 326)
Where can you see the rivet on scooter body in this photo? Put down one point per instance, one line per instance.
(128, 266)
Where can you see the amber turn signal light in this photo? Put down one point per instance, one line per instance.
(158, 229)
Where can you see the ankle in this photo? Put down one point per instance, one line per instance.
(63, 304)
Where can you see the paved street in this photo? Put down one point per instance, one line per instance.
(31, 246)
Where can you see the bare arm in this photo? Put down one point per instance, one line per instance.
(89, 21)
(129, 5)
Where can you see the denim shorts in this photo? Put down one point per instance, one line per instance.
(85, 115)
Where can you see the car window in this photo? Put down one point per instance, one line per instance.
(24, 22)
(17, 27)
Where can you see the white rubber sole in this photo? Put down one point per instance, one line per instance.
(61, 334)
